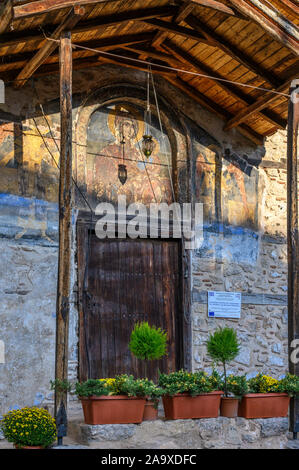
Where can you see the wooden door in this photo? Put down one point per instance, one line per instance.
(127, 281)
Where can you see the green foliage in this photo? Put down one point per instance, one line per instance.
(187, 382)
(61, 385)
(120, 385)
(223, 345)
(290, 385)
(267, 384)
(29, 427)
(148, 342)
(237, 385)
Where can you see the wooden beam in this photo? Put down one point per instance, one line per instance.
(213, 107)
(273, 23)
(265, 100)
(185, 9)
(159, 38)
(180, 30)
(49, 46)
(150, 52)
(65, 228)
(231, 50)
(18, 61)
(293, 245)
(5, 15)
(215, 6)
(47, 6)
(233, 90)
(93, 24)
(290, 6)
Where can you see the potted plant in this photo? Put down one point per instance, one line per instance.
(268, 397)
(29, 428)
(118, 400)
(149, 343)
(223, 346)
(190, 395)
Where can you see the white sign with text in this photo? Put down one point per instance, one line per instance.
(224, 304)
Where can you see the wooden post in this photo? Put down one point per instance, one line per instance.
(65, 231)
(293, 246)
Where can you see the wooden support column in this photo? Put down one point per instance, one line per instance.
(293, 247)
(65, 230)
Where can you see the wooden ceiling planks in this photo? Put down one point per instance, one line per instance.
(242, 34)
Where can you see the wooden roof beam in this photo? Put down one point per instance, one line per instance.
(18, 61)
(46, 6)
(181, 30)
(280, 28)
(259, 104)
(6, 13)
(231, 50)
(233, 90)
(49, 46)
(90, 25)
(213, 107)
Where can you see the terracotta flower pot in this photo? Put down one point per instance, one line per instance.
(184, 406)
(264, 405)
(118, 409)
(150, 411)
(229, 407)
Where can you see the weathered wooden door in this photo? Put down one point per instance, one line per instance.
(127, 281)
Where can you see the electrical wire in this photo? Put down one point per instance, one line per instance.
(174, 69)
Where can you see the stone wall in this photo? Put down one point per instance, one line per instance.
(212, 433)
(251, 260)
(262, 279)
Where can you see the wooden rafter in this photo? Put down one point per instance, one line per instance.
(213, 107)
(150, 52)
(233, 90)
(272, 22)
(49, 46)
(265, 100)
(5, 15)
(16, 38)
(47, 6)
(231, 50)
(185, 9)
(215, 5)
(18, 61)
(181, 30)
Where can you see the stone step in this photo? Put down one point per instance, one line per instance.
(226, 433)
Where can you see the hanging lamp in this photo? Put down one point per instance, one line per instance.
(122, 169)
(147, 142)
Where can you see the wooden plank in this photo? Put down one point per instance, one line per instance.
(278, 27)
(218, 6)
(293, 242)
(212, 107)
(233, 90)
(37, 60)
(181, 30)
(47, 6)
(65, 225)
(259, 104)
(5, 15)
(94, 24)
(231, 50)
(184, 10)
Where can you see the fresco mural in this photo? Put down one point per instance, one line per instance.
(148, 178)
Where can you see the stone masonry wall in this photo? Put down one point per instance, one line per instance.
(262, 328)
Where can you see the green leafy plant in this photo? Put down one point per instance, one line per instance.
(61, 385)
(29, 427)
(148, 342)
(120, 385)
(237, 385)
(223, 346)
(267, 384)
(193, 383)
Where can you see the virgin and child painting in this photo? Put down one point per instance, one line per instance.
(114, 137)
